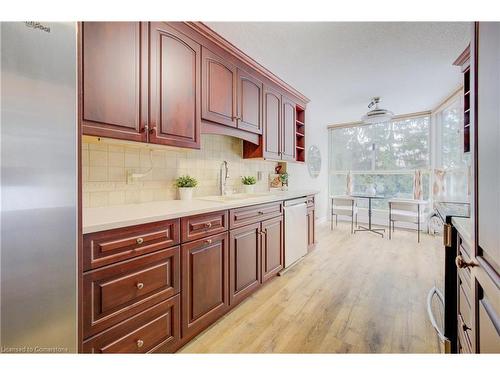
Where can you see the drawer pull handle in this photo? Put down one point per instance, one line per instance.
(261, 212)
(461, 263)
(139, 241)
(140, 286)
(208, 241)
(140, 343)
(208, 225)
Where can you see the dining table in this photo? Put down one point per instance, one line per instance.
(362, 228)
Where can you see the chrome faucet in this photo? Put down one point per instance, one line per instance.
(224, 175)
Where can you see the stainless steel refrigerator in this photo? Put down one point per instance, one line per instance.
(38, 259)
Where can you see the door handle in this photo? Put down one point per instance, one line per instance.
(461, 263)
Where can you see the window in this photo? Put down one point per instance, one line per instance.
(450, 156)
(384, 155)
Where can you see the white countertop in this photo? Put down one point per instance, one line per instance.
(464, 227)
(105, 218)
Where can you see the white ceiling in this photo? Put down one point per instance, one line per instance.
(340, 65)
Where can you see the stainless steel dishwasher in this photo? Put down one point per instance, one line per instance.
(295, 230)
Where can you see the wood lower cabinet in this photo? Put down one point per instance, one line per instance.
(218, 85)
(156, 329)
(114, 79)
(153, 287)
(205, 282)
(175, 87)
(114, 293)
(272, 247)
(244, 262)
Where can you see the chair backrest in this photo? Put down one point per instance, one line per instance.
(405, 206)
(342, 201)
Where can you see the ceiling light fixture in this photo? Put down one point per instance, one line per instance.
(376, 115)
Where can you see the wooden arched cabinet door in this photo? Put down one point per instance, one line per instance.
(288, 130)
(175, 87)
(249, 102)
(272, 124)
(114, 79)
(218, 85)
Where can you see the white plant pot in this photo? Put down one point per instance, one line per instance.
(186, 193)
(249, 189)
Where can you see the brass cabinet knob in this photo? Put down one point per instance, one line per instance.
(139, 285)
(461, 263)
(208, 225)
(208, 241)
(140, 343)
(139, 241)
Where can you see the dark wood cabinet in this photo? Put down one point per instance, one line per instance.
(205, 282)
(114, 293)
(249, 102)
(111, 246)
(272, 247)
(244, 262)
(288, 130)
(252, 214)
(156, 329)
(175, 87)
(280, 133)
(199, 226)
(114, 79)
(218, 86)
(272, 124)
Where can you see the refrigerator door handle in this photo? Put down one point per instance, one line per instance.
(432, 318)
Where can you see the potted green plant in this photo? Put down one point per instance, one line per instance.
(185, 184)
(248, 183)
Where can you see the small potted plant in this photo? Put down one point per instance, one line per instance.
(185, 184)
(248, 183)
(284, 181)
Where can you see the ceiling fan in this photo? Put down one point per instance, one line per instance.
(376, 115)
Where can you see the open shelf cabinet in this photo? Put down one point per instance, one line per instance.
(300, 134)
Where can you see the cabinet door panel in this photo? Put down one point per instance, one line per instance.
(218, 99)
(244, 262)
(114, 79)
(204, 282)
(175, 83)
(249, 103)
(272, 247)
(272, 124)
(288, 130)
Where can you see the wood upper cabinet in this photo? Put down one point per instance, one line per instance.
(244, 262)
(288, 130)
(175, 87)
(272, 124)
(205, 282)
(218, 87)
(249, 102)
(114, 79)
(272, 247)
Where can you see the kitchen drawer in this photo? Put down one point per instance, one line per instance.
(253, 214)
(115, 293)
(111, 246)
(157, 328)
(199, 226)
(310, 201)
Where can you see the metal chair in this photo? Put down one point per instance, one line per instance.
(405, 210)
(343, 206)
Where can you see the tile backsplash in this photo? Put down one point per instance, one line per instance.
(106, 165)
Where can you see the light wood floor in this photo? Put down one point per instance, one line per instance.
(353, 294)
